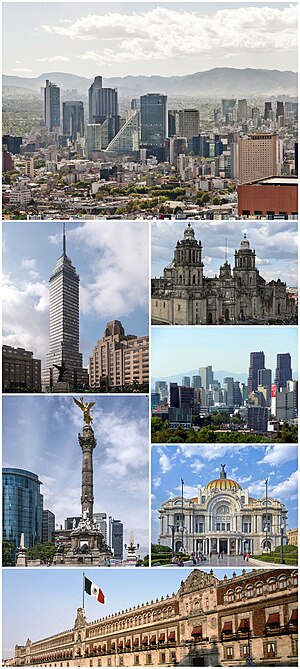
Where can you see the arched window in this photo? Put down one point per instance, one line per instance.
(272, 585)
(259, 588)
(282, 582)
(230, 596)
(249, 591)
(238, 593)
(295, 578)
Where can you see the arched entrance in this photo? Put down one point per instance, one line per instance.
(178, 545)
(226, 314)
(209, 318)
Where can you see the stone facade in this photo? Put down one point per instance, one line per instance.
(223, 518)
(184, 296)
(208, 622)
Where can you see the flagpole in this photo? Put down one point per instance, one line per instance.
(83, 575)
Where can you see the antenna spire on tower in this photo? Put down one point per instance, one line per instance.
(64, 238)
(225, 249)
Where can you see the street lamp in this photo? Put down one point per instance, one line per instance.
(282, 528)
(182, 516)
(173, 528)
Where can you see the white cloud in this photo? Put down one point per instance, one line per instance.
(28, 263)
(279, 453)
(161, 33)
(53, 59)
(120, 271)
(165, 462)
(287, 489)
(22, 70)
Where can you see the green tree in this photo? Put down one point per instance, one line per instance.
(44, 552)
(8, 554)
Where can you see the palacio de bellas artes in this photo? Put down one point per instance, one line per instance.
(185, 296)
(239, 620)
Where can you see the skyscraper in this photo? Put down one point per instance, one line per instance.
(51, 105)
(64, 327)
(116, 537)
(207, 376)
(73, 119)
(257, 362)
(258, 156)
(22, 506)
(154, 123)
(103, 107)
(48, 525)
(283, 371)
(188, 123)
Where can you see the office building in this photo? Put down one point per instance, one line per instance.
(73, 119)
(161, 387)
(283, 372)
(116, 537)
(237, 620)
(22, 507)
(100, 520)
(103, 107)
(207, 376)
(12, 143)
(127, 139)
(154, 123)
(51, 106)
(119, 359)
(188, 123)
(242, 110)
(279, 110)
(223, 518)
(257, 362)
(284, 404)
(265, 381)
(186, 381)
(21, 372)
(64, 361)
(257, 418)
(48, 527)
(227, 106)
(258, 157)
(268, 111)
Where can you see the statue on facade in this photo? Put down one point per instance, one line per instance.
(85, 408)
(61, 370)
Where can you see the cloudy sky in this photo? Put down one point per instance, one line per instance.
(275, 244)
(168, 38)
(61, 591)
(40, 435)
(181, 349)
(111, 260)
(250, 466)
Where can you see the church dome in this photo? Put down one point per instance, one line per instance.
(189, 232)
(223, 483)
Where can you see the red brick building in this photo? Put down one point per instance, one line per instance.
(269, 197)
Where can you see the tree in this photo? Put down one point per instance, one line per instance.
(8, 554)
(44, 552)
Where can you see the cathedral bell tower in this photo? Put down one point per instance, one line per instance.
(245, 272)
(187, 260)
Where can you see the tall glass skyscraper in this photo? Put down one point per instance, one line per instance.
(103, 107)
(22, 506)
(52, 105)
(73, 119)
(154, 122)
(64, 326)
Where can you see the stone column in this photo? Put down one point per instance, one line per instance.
(87, 443)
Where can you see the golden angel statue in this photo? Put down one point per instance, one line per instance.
(85, 408)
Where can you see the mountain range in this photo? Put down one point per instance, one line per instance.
(220, 81)
(219, 376)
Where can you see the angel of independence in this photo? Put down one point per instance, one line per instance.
(86, 409)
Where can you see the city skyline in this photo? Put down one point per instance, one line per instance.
(20, 621)
(177, 351)
(120, 459)
(275, 244)
(131, 38)
(250, 466)
(113, 279)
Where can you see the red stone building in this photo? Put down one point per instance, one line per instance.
(269, 197)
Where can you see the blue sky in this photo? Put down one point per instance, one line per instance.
(61, 594)
(111, 260)
(250, 466)
(40, 435)
(275, 244)
(181, 349)
(166, 38)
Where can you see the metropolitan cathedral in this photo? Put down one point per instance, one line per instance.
(184, 296)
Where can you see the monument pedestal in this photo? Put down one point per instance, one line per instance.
(61, 387)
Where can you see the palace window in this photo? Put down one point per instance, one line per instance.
(270, 649)
(272, 585)
(283, 582)
(136, 660)
(162, 658)
(228, 653)
(148, 658)
(230, 595)
(259, 588)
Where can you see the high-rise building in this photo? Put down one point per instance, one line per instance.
(265, 380)
(21, 372)
(116, 537)
(207, 376)
(126, 141)
(22, 507)
(242, 110)
(51, 105)
(188, 123)
(73, 119)
(279, 109)
(161, 387)
(283, 372)
(12, 143)
(228, 106)
(103, 106)
(100, 520)
(186, 381)
(196, 381)
(258, 156)
(119, 359)
(154, 123)
(64, 328)
(48, 525)
(257, 418)
(268, 111)
(257, 362)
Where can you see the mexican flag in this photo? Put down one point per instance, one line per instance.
(93, 590)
